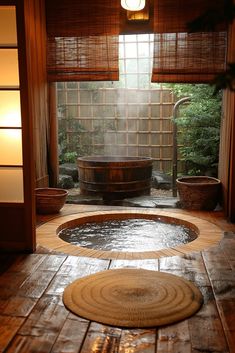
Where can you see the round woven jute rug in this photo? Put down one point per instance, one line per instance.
(133, 298)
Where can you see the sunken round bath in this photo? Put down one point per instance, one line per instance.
(128, 233)
(207, 234)
(115, 178)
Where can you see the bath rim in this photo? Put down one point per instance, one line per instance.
(208, 235)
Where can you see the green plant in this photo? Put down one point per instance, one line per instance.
(199, 126)
(70, 157)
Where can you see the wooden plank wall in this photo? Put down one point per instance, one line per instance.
(227, 145)
(53, 156)
(37, 83)
(231, 196)
(31, 15)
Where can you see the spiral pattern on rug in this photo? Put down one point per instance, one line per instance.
(133, 298)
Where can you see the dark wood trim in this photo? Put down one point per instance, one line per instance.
(8, 2)
(27, 126)
(12, 225)
(227, 142)
(11, 166)
(8, 46)
(231, 195)
(11, 205)
(53, 149)
(9, 88)
(9, 246)
(10, 128)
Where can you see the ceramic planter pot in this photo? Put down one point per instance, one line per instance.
(50, 200)
(198, 192)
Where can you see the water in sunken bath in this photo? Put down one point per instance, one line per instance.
(128, 235)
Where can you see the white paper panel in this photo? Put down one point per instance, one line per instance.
(9, 75)
(8, 34)
(10, 114)
(10, 147)
(11, 185)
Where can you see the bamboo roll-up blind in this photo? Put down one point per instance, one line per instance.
(180, 56)
(188, 57)
(37, 86)
(82, 40)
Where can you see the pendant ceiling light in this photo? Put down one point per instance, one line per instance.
(133, 5)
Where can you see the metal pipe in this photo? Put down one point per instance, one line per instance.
(175, 146)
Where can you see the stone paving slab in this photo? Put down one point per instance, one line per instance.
(152, 202)
(141, 201)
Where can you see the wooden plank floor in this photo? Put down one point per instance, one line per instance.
(34, 319)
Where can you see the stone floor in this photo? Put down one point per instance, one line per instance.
(159, 198)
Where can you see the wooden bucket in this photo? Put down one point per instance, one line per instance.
(115, 178)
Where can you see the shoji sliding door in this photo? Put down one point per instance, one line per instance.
(11, 162)
(23, 105)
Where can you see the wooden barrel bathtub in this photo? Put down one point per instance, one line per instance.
(115, 178)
